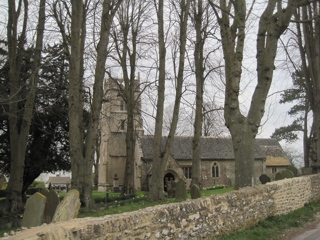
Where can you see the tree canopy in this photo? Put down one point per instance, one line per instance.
(48, 144)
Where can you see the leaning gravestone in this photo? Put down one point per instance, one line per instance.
(68, 208)
(33, 214)
(180, 190)
(195, 191)
(264, 178)
(52, 203)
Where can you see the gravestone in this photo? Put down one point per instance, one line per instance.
(264, 178)
(287, 174)
(53, 201)
(278, 176)
(33, 213)
(180, 190)
(293, 169)
(195, 191)
(306, 170)
(68, 208)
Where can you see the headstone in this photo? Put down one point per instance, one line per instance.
(33, 214)
(293, 169)
(53, 201)
(287, 174)
(68, 208)
(306, 171)
(195, 191)
(180, 190)
(264, 178)
(278, 176)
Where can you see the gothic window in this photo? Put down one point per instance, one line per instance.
(187, 172)
(122, 124)
(122, 105)
(215, 170)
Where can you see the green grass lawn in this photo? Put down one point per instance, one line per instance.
(272, 227)
(133, 206)
(118, 206)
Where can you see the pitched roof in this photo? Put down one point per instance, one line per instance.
(277, 162)
(59, 180)
(271, 147)
(211, 148)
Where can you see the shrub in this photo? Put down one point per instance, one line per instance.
(264, 178)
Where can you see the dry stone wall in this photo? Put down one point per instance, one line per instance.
(204, 218)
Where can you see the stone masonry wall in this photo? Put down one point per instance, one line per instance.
(204, 218)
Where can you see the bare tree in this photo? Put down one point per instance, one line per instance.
(83, 141)
(204, 26)
(156, 183)
(160, 155)
(131, 17)
(200, 78)
(213, 122)
(232, 16)
(308, 32)
(20, 119)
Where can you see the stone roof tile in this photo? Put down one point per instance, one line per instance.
(211, 148)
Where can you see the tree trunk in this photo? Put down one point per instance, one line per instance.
(75, 112)
(129, 180)
(306, 141)
(183, 21)
(273, 22)
(308, 35)
(243, 146)
(311, 35)
(19, 128)
(160, 160)
(130, 25)
(97, 161)
(82, 147)
(199, 63)
(156, 182)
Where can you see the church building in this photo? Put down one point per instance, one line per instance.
(217, 157)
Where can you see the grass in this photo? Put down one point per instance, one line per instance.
(272, 227)
(118, 207)
(136, 205)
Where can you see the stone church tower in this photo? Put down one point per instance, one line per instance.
(113, 137)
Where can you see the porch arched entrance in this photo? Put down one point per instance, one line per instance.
(167, 177)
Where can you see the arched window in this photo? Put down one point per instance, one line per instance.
(215, 170)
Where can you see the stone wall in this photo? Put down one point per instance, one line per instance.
(204, 218)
